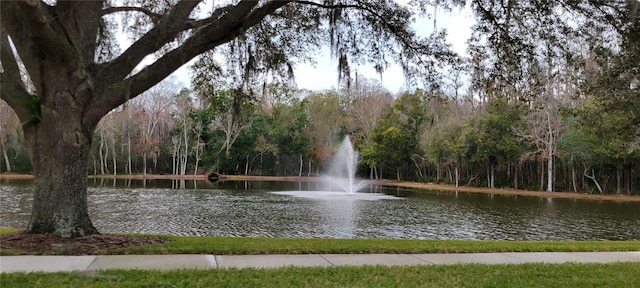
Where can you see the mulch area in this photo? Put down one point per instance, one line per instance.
(47, 244)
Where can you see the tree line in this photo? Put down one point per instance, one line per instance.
(551, 142)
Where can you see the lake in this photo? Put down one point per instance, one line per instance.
(250, 209)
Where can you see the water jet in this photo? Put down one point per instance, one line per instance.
(340, 179)
(341, 174)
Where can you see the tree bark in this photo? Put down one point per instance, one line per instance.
(493, 175)
(541, 176)
(129, 163)
(627, 180)
(550, 174)
(619, 179)
(197, 152)
(574, 183)
(71, 92)
(593, 178)
(515, 176)
(551, 152)
(457, 176)
(185, 153)
(101, 156)
(5, 155)
(300, 168)
(60, 151)
(144, 164)
(113, 157)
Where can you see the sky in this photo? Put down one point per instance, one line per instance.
(324, 75)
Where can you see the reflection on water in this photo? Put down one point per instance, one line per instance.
(248, 209)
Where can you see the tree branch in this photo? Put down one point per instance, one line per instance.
(484, 12)
(155, 17)
(257, 15)
(29, 25)
(338, 6)
(409, 45)
(221, 31)
(238, 19)
(200, 23)
(42, 26)
(165, 31)
(81, 21)
(12, 89)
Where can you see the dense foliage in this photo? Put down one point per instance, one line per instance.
(416, 136)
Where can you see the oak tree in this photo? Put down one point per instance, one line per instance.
(77, 74)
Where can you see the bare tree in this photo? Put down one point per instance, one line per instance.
(367, 103)
(198, 148)
(544, 126)
(368, 100)
(231, 123)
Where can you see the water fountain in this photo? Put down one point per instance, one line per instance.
(340, 179)
(342, 170)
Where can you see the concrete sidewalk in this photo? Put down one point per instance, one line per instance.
(10, 264)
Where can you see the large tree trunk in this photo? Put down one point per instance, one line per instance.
(60, 148)
(68, 92)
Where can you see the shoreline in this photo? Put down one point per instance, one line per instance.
(395, 183)
(200, 177)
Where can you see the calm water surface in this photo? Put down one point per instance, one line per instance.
(249, 209)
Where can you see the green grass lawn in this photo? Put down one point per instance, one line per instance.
(249, 245)
(461, 275)
(467, 275)
(254, 245)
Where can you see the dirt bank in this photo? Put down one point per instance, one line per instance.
(432, 186)
(132, 176)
